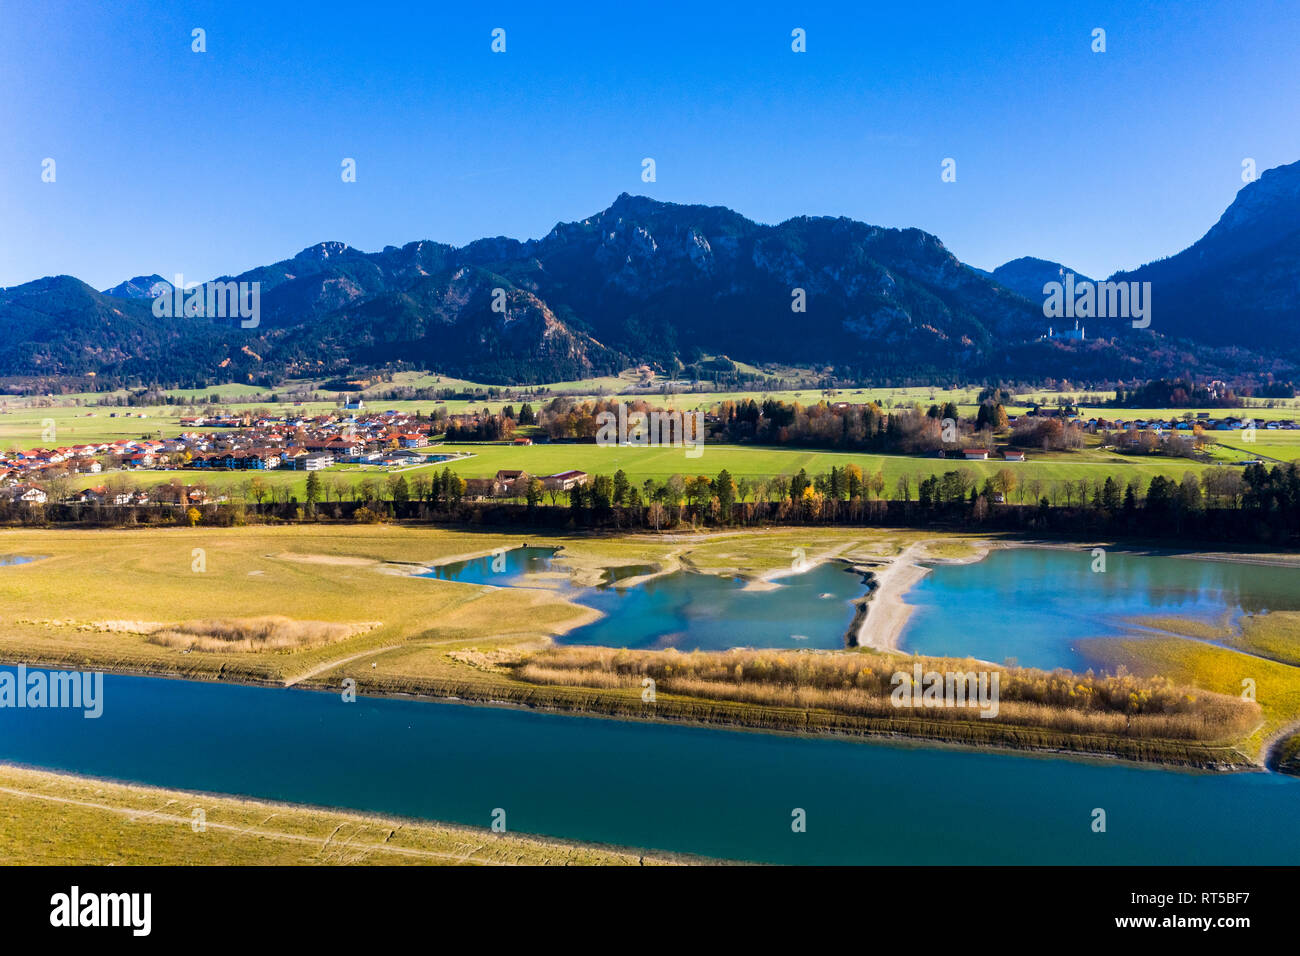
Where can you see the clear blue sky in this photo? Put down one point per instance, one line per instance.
(172, 161)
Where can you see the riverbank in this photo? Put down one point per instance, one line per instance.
(67, 819)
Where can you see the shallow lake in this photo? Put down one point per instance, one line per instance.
(688, 610)
(1035, 604)
(16, 559)
(719, 793)
(505, 568)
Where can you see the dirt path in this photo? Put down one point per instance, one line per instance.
(338, 662)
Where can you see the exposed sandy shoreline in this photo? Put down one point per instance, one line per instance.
(883, 613)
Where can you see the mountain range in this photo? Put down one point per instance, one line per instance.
(654, 282)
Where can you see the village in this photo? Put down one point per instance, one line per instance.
(386, 441)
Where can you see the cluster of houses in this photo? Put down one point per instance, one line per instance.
(982, 454)
(305, 444)
(176, 494)
(310, 444)
(252, 444)
(25, 493)
(1202, 420)
(162, 495)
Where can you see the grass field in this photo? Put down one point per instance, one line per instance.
(59, 819)
(27, 427)
(747, 461)
(1191, 660)
(311, 574)
(1280, 446)
(742, 461)
(1275, 635)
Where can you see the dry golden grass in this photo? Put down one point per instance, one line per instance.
(269, 633)
(495, 660)
(95, 596)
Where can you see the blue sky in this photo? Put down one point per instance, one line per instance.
(173, 161)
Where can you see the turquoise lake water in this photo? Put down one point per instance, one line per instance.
(1036, 604)
(15, 559)
(688, 610)
(719, 793)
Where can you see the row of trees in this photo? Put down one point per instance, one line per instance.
(1256, 503)
(1181, 393)
(865, 427)
(1256, 487)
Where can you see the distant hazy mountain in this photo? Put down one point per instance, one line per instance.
(648, 281)
(1027, 275)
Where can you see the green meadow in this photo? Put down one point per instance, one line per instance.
(658, 463)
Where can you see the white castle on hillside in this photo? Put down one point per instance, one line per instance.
(1074, 333)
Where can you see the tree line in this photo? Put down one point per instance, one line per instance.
(1254, 505)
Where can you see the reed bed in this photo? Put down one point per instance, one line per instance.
(861, 684)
